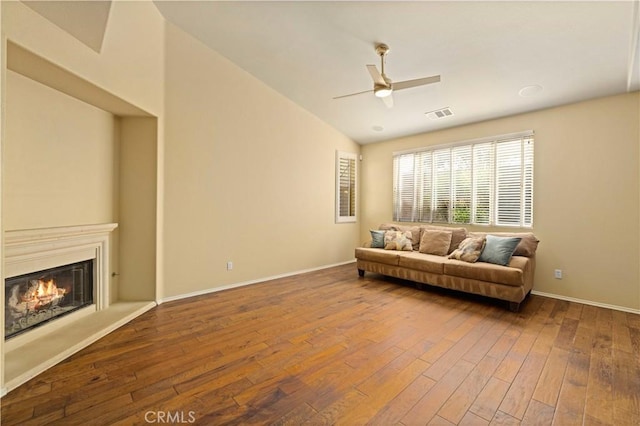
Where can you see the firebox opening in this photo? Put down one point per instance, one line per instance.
(34, 299)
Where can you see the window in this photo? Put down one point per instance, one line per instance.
(484, 182)
(345, 187)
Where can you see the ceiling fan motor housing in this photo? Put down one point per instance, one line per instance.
(382, 49)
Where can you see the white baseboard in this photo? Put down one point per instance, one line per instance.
(245, 283)
(3, 392)
(587, 302)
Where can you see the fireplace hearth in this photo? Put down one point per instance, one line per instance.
(34, 299)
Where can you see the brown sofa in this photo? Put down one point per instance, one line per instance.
(511, 283)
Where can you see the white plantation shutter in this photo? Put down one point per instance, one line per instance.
(527, 183)
(461, 187)
(346, 187)
(441, 185)
(483, 183)
(486, 182)
(508, 183)
(424, 192)
(404, 179)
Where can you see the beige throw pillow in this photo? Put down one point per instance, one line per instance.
(469, 249)
(457, 234)
(414, 230)
(397, 240)
(435, 242)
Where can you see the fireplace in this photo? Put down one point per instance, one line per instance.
(78, 260)
(34, 299)
(53, 277)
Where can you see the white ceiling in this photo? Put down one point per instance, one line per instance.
(485, 53)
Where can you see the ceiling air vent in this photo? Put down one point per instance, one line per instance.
(439, 113)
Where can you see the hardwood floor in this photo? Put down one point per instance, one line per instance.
(328, 347)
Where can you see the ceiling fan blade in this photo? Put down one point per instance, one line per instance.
(375, 75)
(353, 94)
(417, 82)
(388, 101)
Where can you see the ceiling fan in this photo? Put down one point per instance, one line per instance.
(383, 86)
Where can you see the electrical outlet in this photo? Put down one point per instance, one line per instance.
(558, 274)
(229, 265)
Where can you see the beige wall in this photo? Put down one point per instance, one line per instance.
(59, 159)
(137, 188)
(586, 186)
(249, 177)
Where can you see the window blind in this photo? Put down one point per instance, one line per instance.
(486, 182)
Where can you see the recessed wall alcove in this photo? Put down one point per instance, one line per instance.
(76, 155)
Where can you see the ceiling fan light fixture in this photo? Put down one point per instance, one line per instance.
(382, 91)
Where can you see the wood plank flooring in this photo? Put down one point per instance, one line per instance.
(329, 347)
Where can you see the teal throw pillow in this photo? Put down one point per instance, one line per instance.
(499, 250)
(377, 238)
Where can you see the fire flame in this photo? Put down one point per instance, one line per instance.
(43, 293)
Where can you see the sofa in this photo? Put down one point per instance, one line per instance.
(498, 265)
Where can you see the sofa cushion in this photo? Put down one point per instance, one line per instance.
(507, 275)
(469, 249)
(378, 255)
(423, 262)
(526, 247)
(435, 242)
(499, 250)
(398, 240)
(457, 235)
(415, 232)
